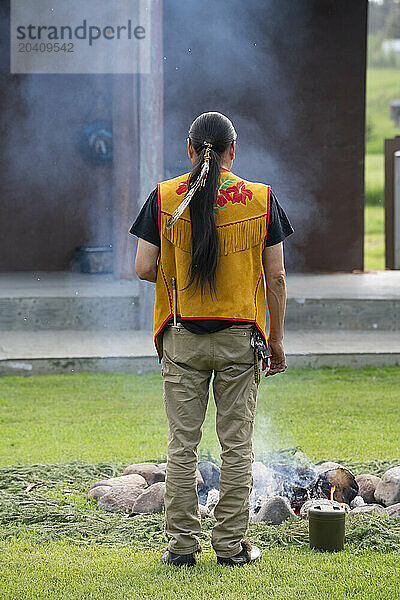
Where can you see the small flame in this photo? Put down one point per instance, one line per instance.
(333, 488)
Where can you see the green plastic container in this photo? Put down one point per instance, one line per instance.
(326, 527)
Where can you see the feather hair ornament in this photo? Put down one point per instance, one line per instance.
(200, 182)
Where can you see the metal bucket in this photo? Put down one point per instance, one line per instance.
(326, 527)
(90, 259)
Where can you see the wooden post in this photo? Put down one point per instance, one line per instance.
(138, 146)
(391, 146)
(151, 107)
(125, 171)
(151, 124)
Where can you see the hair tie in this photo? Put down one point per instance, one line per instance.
(200, 182)
(206, 164)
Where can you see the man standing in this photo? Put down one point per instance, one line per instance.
(208, 239)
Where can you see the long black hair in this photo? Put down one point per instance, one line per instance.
(216, 129)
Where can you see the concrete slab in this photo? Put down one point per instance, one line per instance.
(368, 284)
(73, 343)
(345, 313)
(64, 284)
(100, 344)
(364, 285)
(123, 312)
(79, 313)
(56, 366)
(44, 352)
(63, 300)
(141, 365)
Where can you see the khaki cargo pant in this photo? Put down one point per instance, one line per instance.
(189, 361)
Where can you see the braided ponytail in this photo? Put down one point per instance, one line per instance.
(211, 135)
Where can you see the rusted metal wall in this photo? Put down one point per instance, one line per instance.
(51, 199)
(290, 74)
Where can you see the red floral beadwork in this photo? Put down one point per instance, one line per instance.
(235, 194)
(240, 193)
(183, 187)
(223, 197)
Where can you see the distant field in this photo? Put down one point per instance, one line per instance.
(383, 86)
(374, 240)
(374, 179)
(374, 215)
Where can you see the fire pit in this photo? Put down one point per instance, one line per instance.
(285, 484)
(299, 480)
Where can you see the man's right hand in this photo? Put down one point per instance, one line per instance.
(277, 359)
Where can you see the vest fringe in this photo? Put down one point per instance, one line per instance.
(233, 237)
(180, 234)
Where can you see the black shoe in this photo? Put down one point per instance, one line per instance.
(248, 554)
(179, 560)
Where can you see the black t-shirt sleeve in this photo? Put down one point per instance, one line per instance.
(146, 224)
(279, 226)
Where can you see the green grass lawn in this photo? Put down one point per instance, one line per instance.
(117, 417)
(333, 413)
(374, 216)
(65, 572)
(374, 179)
(374, 238)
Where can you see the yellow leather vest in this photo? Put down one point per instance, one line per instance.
(241, 214)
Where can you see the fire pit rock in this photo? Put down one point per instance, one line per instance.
(274, 510)
(203, 511)
(318, 501)
(99, 490)
(367, 485)
(139, 490)
(372, 509)
(199, 479)
(133, 480)
(163, 468)
(210, 473)
(149, 471)
(388, 489)
(358, 501)
(328, 465)
(346, 487)
(119, 497)
(151, 500)
(212, 500)
(393, 510)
